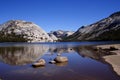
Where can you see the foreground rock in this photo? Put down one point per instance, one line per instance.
(22, 31)
(114, 60)
(39, 63)
(105, 29)
(60, 59)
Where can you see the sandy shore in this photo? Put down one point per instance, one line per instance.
(114, 60)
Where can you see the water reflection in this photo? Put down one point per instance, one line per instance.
(21, 55)
(89, 52)
(78, 66)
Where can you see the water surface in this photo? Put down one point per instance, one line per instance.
(84, 62)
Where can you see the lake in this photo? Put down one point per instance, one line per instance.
(84, 63)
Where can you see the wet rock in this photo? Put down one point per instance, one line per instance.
(58, 54)
(52, 62)
(60, 59)
(39, 63)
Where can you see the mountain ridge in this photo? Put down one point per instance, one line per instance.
(60, 34)
(105, 29)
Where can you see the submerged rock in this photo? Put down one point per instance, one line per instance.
(39, 63)
(60, 59)
(61, 64)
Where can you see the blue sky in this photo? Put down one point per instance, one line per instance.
(58, 14)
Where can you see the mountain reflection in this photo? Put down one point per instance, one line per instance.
(89, 52)
(21, 55)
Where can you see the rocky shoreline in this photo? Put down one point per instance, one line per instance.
(113, 60)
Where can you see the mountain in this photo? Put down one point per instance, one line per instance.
(22, 31)
(105, 29)
(60, 34)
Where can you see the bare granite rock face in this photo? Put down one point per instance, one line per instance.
(105, 29)
(22, 31)
(52, 36)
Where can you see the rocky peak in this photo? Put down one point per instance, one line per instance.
(105, 29)
(22, 31)
(61, 33)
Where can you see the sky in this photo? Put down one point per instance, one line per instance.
(54, 15)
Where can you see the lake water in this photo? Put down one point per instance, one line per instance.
(83, 62)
